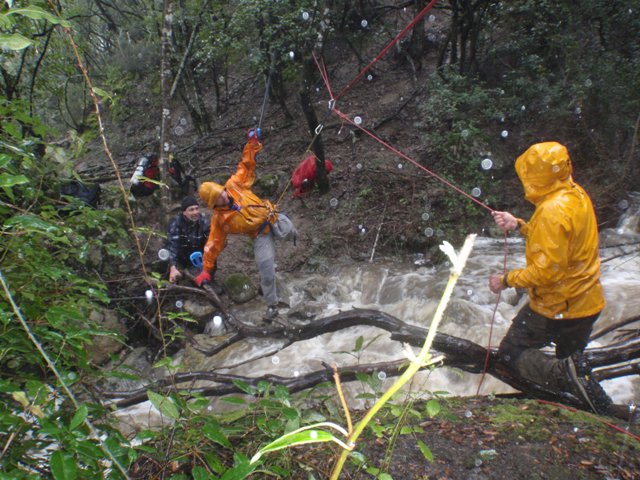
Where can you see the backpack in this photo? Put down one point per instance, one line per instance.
(147, 167)
(88, 194)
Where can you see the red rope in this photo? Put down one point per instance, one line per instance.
(387, 48)
(493, 317)
(399, 153)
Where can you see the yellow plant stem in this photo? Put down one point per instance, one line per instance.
(422, 359)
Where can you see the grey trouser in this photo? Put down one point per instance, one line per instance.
(265, 254)
(531, 331)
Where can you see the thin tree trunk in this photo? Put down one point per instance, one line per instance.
(165, 72)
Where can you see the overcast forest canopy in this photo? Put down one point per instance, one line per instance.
(87, 86)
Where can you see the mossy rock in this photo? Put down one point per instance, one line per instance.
(267, 185)
(239, 287)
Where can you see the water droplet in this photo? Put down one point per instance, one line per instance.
(369, 77)
(72, 375)
(476, 192)
(363, 230)
(486, 164)
(296, 373)
(439, 233)
(359, 166)
(523, 108)
(426, 216)
(179, 304)
(163, 254)
(183, 121)
(428, 232)
(210, 408)
(217, 320)
(432, 18)
(179, 131)
(275, 360)
(504, 134)
(333, 202)
(382, 375)
(313, 434)
(623, 204)
(464, 133)
(555, 168)
(399, 166)
(468, 414)
(292, 55)
(469, 292)
(357, 120)
(305, 15)
(578, 111)
(588, 82)
(149, 295)
(364, 23)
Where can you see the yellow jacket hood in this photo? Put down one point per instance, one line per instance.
(542, 169)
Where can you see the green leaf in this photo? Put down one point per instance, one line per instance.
(36, 13)
(359, 343)
(14, 41)
(101, 93)
(433, 407)
(214, 433)
(11, 180)
(78, 417)
(164, 405)
(200, 473)
(426, 452)
(312, 435)
(63, 466)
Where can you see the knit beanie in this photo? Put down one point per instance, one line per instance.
(187, 202)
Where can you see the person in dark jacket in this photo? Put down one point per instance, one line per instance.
(187, 233)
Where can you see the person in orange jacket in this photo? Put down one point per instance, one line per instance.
(562, 276)
(237, 210)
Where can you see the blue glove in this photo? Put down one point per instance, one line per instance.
(253, 135)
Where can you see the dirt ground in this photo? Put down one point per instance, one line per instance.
(504, 439)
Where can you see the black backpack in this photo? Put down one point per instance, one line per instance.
(88, 194)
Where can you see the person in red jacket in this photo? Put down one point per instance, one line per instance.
(304, 176)
(237, 210)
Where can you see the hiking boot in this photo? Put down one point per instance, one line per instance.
(271, 313)
(584, 386)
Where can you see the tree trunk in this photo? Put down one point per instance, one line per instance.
(165, 73)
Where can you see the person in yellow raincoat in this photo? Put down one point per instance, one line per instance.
(237, 210)
(562, 277)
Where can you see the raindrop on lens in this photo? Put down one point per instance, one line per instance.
(333, 202)
(399, 166)
(428, 232)
(275, 360)
(313, 434)
(469, 292)
(465, 133)
(357, 120)
(72, 376)
(578, 111)
(468, 414)
(623, 204)
(382, 375)
(163, 254)
(523, 108)
(292, 55)
(179, 131)
(432, 18)
(486, 164)
(359, 166)
(504, 134)
(476, 192)
(217, 320)
(149, 295)
(296, 373)
(426, 216)
(179, 304)
(369, 77)
(588, 82)
(305, 15)
(364, 23)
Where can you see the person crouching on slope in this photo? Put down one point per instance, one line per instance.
(237, 210)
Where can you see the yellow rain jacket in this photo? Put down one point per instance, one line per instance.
(248, 215)
(563, 266)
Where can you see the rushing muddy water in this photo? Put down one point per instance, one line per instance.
(410, 291)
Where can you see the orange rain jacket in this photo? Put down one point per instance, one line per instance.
(563, 266)
(249, 215)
